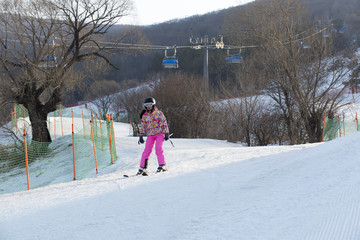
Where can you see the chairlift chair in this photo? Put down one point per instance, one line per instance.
(170, 61)
(233, 58)
(306, 45)
(48, 62)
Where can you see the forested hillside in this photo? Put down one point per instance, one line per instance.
(139, 66)
(280, 42)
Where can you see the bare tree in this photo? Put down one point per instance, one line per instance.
(132, 100)
(103, 94)
(243, 111)
(300, 77)
(245, 105)
(183, 99)
(41, 41)
(267, 127)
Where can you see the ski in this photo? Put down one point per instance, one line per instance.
(133, 175)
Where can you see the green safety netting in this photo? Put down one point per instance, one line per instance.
(51, 163)
(339, 127)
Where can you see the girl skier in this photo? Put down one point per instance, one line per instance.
(154, 125)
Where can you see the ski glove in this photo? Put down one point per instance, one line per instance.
(141, 140)
(166, 136)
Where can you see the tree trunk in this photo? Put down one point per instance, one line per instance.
(38, 117)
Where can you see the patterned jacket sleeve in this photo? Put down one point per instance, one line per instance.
(142, 127)
(164, 123)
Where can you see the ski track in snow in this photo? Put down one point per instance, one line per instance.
(344, 223)
(213, 190)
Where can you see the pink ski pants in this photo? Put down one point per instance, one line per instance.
(158, 140)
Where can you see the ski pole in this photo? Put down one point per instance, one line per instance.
(170, 140)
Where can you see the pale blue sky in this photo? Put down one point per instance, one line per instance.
(148, 12)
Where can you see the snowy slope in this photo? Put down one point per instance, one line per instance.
(213, 190)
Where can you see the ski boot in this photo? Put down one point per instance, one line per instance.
(161, 168)
(142, 171)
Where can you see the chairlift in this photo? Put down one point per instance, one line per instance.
(48, 62)
(170, 61)
(306, 45)
(233, 58)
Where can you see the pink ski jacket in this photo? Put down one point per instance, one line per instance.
(153, 123)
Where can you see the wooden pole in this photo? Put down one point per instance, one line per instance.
(16, 129)
(72, 116)
(54, 127)
(73, 142)
(12, 119)
(344, 124)
(112, 160)
(130, 128)
(73, 147)
(339, 125)
(92, 135)
(113, 133)
(50, 123)
(62, 131)
(26, 162)
(323, 134)
(82, 113)
(101, 138)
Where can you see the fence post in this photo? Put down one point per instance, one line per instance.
(113, 133)
(92, 135)
(73, 141)
(15, 116)
(72, 116)
(82, 113)
(101, 138)
(339, 125)
(344, 124)
(54, 127)
(112, 160)
(50, 122)
(357, 123)
(26, 161)
(323, 133)
(130, 128)
(73, 147)
(62, 131)
(12, 120)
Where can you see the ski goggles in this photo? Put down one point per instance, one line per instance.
(149, 104)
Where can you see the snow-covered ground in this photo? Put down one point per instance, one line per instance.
(213, 190)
